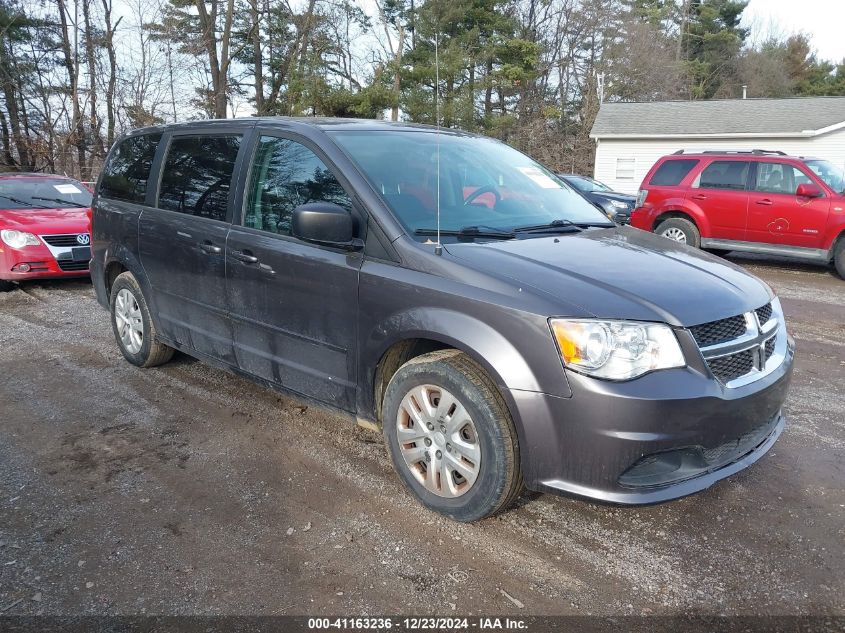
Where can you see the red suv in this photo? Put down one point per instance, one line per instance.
(757, 202)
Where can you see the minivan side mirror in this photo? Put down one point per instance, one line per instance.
(809, 190)
(325, 223)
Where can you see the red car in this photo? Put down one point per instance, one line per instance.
(44, 227)
(758, 202)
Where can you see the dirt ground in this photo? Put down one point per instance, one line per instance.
(187, 490)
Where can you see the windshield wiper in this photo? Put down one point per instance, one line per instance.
(69, 203)
(24, 203)
(469, 231)
(563, 226)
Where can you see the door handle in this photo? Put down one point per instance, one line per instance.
(765, 202)
(210, 248)
(699, 197)
(245, 257)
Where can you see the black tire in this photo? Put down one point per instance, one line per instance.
(6, 286)
(499, 478)
(151, 352)
(839, 257)
(690, 231)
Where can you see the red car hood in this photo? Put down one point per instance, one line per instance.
(45, 221)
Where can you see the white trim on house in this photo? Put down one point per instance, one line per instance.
(804, 134)
(825, 130)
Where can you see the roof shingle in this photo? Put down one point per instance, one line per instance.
(728, 117)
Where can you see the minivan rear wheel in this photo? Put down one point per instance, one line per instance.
(133, 328)
(450, 436)
(680, 230)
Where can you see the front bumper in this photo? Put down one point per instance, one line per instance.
(41, 263)
(691, 430)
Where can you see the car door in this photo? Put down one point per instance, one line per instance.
(294, 304)
(777, 216)
(182, 241)
(720, 191)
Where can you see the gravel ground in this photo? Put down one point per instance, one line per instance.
(187, 490)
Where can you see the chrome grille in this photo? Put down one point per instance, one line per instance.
(65, 240)
(764, 313)
(770, 347)
(728, 368)
(718, 331)
(737, 350)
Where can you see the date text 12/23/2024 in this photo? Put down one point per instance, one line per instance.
(417, 624)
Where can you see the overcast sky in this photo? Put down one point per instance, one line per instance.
(822, 20)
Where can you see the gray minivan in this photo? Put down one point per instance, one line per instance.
(450, 291)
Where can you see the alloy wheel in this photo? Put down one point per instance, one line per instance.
(675, 234)
(130, 324)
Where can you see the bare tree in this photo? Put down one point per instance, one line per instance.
(108, 43)
(71, 63)
(218, 62)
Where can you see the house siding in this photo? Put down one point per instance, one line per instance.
(645, 152)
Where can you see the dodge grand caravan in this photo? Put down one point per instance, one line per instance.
(445, 288)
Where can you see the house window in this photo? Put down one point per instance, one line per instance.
(625, 168)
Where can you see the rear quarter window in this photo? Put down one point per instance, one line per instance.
(672, 172)
(127, 170)
(724, 174)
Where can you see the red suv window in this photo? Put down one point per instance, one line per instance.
(779, 178)
(724, 174)
(672, 172)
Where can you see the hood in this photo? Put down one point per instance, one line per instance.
(622, 273)
(45, 221)
(621, 197)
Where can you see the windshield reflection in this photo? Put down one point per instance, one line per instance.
(482, 185)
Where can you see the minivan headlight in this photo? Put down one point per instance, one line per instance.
(616, 350)
(18, 239)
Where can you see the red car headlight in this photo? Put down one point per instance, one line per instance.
(18, 239)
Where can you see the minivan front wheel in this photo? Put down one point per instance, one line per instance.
(680, 230)
(450, 436)
(133, 328)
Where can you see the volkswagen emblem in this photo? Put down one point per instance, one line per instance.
(84, 239)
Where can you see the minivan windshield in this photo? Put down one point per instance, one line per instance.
(486, 189)
(833, 176)
(42, 193)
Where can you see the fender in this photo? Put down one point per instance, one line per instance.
(507, 366)
(835, 228)
(120, 254)
(685, 208)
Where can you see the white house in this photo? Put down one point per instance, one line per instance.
(630, 137)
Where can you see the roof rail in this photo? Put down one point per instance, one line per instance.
(758, 152)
